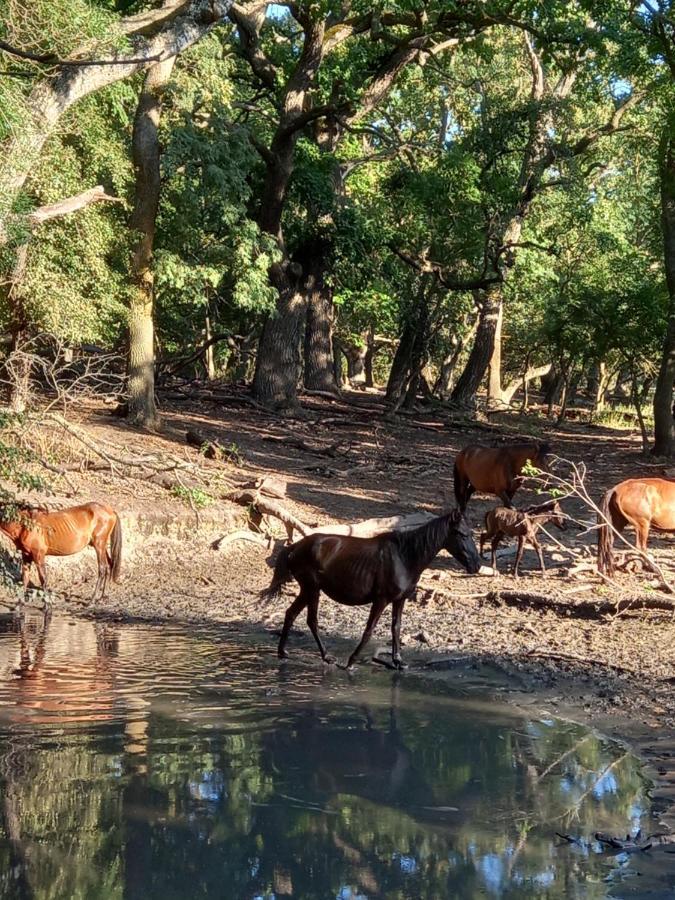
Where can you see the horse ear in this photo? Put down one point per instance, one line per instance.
(456, 516)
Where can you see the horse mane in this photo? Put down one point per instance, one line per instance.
(419, 542)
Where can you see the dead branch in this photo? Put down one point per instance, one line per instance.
(240, 536)
(330, 450)
(267, 485)
(587, 609)
(209, 449)
(576, 485)
(265, 506)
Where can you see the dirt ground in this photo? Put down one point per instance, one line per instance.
(617, 670)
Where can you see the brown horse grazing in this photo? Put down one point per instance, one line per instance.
(495, 470)
(355, 571)
(523, 524)
(37, 534)
(643, 503)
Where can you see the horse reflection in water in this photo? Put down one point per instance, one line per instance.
(358, 571)
(64, 676)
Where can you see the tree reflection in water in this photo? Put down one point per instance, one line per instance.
(140, 762)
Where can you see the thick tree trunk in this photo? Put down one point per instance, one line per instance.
(146, 152)
(57, 92)
(664, 423)
(400, 367)
(319, 368)
(530, 374)
(278, 364)
(355, 354)
(494, 395)
(464, 393)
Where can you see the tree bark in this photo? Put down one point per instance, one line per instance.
(278, 363)
(494, 395)
(664, 425)
(146, 154)
(319, 369)
(464, 393)
(68, 83)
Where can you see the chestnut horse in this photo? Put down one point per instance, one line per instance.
(37, 534)
(495, 470)
(355, 571)
(643, 503)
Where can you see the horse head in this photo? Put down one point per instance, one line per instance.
(460, 542)
(559, 517)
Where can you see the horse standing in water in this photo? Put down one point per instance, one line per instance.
(356, 571)
(643, 503)
(37, 534)
(495, 470)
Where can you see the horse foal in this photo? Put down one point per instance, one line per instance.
(501, 522)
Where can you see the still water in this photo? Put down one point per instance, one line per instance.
(179, 762)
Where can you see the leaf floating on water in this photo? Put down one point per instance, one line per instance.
(441, 808)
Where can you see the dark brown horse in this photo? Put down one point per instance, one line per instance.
(37, 534)
(356, 571)
(524, 524)
(495, 470)
(643, 503)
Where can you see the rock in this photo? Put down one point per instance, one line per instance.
(422, 637)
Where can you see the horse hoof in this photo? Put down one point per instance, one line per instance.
(330, 660)
(282, 654)
(347, 667)
(400, 665)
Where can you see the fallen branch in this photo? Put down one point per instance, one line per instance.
(587, 609)
(250, 536)
(267, 507)
(330, 450)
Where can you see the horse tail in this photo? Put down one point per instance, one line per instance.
(282, 574)
(605, 536)
(460, 486)
(116, 549)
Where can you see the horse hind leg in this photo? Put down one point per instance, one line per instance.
(103, 569)
(292, 614)
(313, 624)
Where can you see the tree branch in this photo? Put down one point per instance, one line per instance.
(449, 281)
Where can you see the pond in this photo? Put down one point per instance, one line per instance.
(167, 762)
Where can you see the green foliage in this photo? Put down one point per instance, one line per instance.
(194, 497)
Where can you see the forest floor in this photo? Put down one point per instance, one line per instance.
(541, 637)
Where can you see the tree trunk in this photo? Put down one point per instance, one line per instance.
(664, 425)
(337, 363)
(494, 395)
(443, 386)
(369, 357)
(209, 356)
(530, 374)
(400, 367)
(146, 153)
(319, 368)
(66, 85)
(355, 355)
(464, 393)
(278, 365)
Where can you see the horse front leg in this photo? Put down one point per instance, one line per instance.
(396, 616)
(313, 624)
(376, 611)
(519, 554)
(537, 547)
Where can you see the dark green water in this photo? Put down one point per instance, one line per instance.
(175, 762)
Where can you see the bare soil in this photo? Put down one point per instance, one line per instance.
(616, 670)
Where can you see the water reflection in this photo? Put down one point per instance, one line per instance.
(144, 762)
